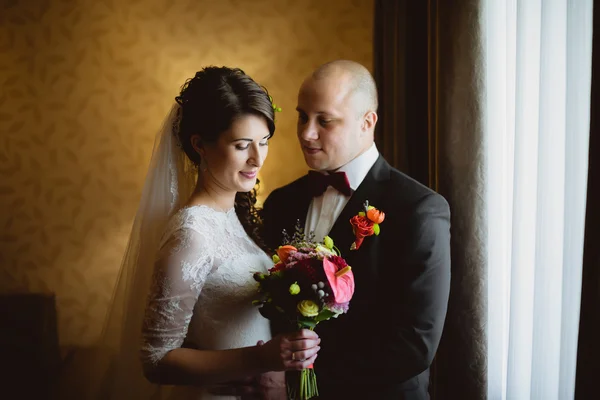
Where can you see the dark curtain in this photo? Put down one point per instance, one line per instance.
(428, 58)
(401, 71)
(426, 68)
(588, 357)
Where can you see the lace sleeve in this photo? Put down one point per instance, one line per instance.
(182, 266)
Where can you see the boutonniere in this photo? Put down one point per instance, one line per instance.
(366, 223)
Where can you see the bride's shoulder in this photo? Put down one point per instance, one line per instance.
(198, 218)
(186, 224)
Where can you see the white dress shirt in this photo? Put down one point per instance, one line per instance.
(325, 209)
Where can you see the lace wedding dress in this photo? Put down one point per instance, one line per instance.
(202, 290)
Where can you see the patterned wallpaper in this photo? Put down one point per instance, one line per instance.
(85, 84)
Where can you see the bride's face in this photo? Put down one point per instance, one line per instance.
(233, 161)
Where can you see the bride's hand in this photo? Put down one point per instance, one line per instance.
(291, 351)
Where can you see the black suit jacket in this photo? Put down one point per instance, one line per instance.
(383, 347)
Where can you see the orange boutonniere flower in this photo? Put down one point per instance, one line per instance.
(366, 223)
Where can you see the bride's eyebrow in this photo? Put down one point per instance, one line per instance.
(248, 139)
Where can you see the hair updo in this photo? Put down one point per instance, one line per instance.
(210, 102)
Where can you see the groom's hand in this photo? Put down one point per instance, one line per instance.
(245, 388)
(271, 386)
(267, 386)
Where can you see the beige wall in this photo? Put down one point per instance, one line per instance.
(84, 85)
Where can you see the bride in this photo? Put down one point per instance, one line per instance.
(186, 286)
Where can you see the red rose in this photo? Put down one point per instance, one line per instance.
(362, 227)
(307, 269)
(277, 267)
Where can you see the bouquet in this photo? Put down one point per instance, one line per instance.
(309, 283)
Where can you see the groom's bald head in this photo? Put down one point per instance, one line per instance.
(337, 113)
(354, 78)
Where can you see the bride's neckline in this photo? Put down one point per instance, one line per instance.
(205, 207)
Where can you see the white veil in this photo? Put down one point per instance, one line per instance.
(170, 181)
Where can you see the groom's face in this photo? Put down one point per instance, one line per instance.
(329, 126)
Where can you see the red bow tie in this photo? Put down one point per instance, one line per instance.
(318, 183)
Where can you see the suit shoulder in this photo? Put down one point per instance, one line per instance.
(412, 190)
(290, 189)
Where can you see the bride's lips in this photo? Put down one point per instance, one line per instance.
(249, 175)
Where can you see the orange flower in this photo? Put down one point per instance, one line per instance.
(284, 252)
(375, 215)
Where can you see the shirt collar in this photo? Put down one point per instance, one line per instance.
(358, 168)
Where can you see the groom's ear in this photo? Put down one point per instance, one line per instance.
(369, 121)
(197, 144)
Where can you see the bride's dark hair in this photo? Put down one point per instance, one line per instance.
(210, 102)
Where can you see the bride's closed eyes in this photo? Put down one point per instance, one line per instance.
(264, 142)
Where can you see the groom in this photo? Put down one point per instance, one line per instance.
(383, 347)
